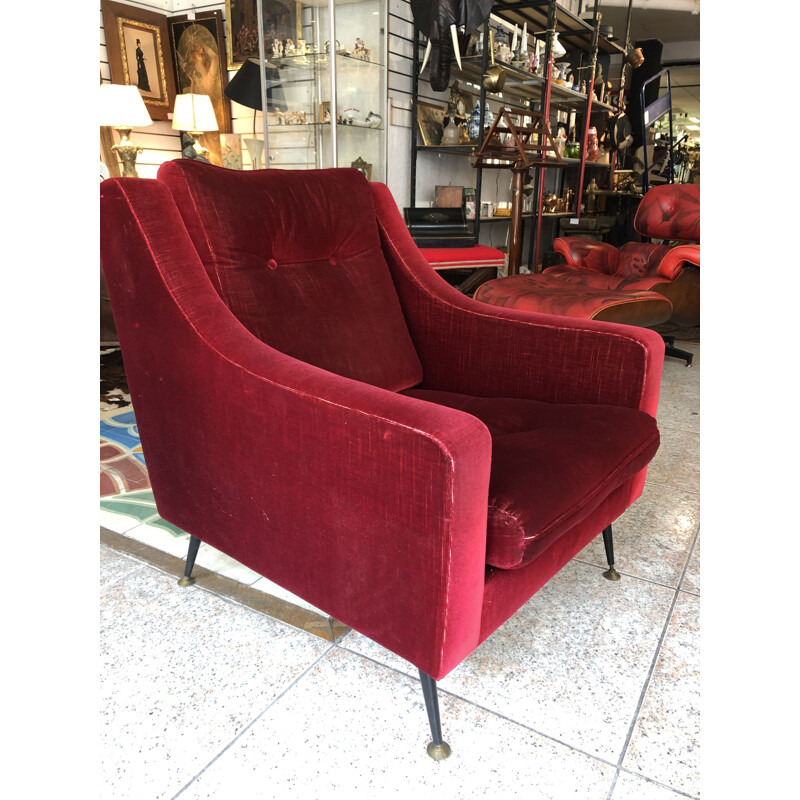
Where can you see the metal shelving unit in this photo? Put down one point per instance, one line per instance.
(544, 19)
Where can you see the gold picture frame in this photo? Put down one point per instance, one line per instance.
(199, 60)
(364, 168)
(137, 42)
(430, 121)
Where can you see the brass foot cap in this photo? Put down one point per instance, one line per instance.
(438, 751)
(186, 581)
(611, 574)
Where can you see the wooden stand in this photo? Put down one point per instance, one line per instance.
(530, 147)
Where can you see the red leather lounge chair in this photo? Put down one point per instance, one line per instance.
(671, 213)
(640, 283)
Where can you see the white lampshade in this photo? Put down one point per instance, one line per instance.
(558, 48)
(122, 107)
(194, 113)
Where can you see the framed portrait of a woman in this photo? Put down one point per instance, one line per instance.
(200, 61)
(139, 54)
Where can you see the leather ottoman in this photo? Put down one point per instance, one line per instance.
(552, 295)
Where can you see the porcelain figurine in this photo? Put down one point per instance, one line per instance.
(361, 50)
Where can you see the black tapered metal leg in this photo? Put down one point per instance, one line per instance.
(438, 748)
(187, 579)
(608, 541)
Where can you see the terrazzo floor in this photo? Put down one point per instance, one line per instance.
(235, 688)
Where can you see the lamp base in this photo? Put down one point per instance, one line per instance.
(127, 152)
(255, 147)
(199, 150)
(191, 148)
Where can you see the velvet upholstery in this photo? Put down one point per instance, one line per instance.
(574, 454)
(303, 273)
(368, 502)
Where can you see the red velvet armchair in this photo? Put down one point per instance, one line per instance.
(670, 213)
(316, 402)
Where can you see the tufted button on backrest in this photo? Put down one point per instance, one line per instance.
(327, 297)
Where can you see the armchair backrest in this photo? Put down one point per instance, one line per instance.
(301, 270)
(670, 211)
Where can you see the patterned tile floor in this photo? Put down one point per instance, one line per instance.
(236, 688)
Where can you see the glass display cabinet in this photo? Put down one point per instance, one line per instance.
(326, 86)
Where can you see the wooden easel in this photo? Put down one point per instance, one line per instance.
(530, 146)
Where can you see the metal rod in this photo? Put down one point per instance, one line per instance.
(588, 120)
(548, 79)
(262, 60)
(332, 57)
(412, 200)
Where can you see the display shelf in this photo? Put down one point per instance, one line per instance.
(541, 94)
(306, 88)
(525, 86)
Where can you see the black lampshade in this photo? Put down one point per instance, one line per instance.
(245, 87)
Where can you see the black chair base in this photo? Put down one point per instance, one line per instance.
(671, 350)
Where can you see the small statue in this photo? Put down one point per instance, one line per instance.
(591, 196)
(361, 51)
(277, 48)
(288, 50)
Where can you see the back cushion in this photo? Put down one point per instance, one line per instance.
(296, 256)
(670, 211)
(640, 259)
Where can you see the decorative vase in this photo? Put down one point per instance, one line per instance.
(452, 132)
(474, 124)
(592, 145)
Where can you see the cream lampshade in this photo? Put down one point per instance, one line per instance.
(195, 115)
(123, 108)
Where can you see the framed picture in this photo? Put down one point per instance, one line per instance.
(231, 146)
(430, 120)
(138, 54)
(282, 21)
(200, 61)
(363, 167)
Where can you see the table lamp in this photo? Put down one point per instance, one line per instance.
(194, 114)
(122, 107)
(245, 88)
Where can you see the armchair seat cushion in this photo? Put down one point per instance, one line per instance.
(552, 465)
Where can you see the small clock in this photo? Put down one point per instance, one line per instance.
(461, 100)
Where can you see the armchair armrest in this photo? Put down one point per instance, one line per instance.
(588, 253)
(368, 504)
(672, 263)
(484, 350)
